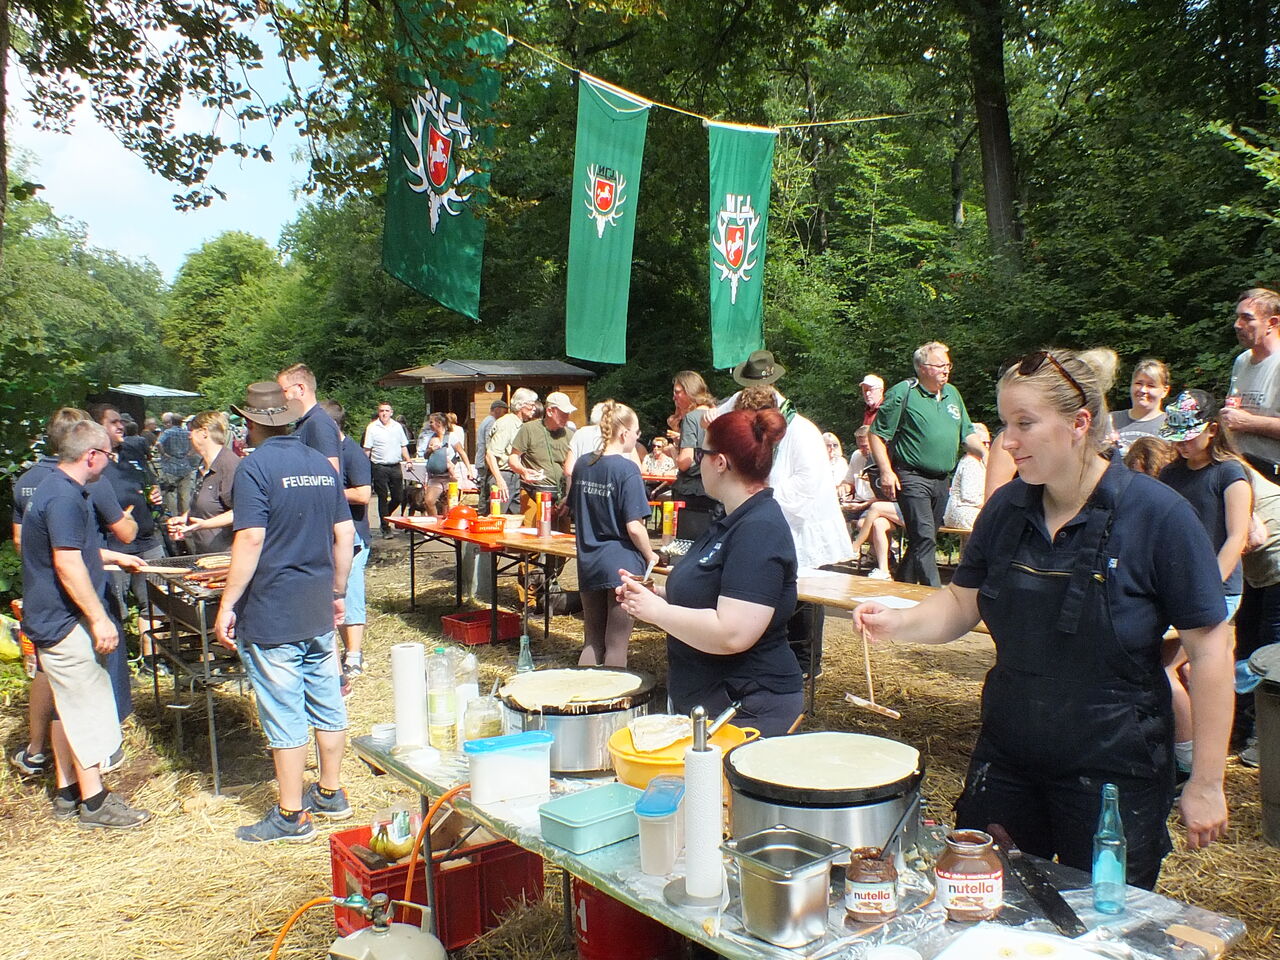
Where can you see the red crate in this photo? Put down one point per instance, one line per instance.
(473, 890)
(472, 628)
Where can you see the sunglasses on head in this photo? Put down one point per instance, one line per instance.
(1032, 362)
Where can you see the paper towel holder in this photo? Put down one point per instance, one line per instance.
(675, 892)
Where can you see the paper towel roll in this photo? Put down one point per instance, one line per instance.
(703, 822)
(409, 691)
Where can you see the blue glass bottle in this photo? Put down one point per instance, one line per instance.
(1110, 854)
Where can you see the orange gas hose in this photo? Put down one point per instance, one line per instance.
(316, 902)
(422, 832)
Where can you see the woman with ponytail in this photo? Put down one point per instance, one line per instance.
(609, 506)
(1077, 566)
(727, 601)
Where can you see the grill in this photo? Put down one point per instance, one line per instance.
(184, 565)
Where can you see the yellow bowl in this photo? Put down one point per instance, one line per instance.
(636, 769)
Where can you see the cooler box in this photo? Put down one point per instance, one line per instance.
(474, 888)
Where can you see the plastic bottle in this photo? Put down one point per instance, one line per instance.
(466, 680)
(668, 521)
(495, 502)
(442, 715)
(453, 498)
(525, 662)
(1110, 855)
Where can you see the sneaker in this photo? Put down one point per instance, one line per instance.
(114, 814)
(114, 761)
(274, 828)
(354, 666)
(345, 685)
(30, 764)
(331, 808)
(64, 810)
(1249, 755)
(878, 574)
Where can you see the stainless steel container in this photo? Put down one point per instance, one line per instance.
(856, 817)
(582, 729)
(784, 876)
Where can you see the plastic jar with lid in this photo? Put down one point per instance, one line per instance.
(970, 877)
(871, 887)
(658, 812)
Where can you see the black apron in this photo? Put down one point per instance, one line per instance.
(1068, 706)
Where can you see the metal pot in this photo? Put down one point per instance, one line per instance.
(855, 817)
(785, 877)
(582, 728)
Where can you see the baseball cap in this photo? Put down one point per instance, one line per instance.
(871, 380)
(1189, 416)
(560, 402)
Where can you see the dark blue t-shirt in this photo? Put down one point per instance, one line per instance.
(59, 516)
(291, 491)
(105, 504)
(1205, 489)
(1160, 568)
(747, 555)
(126, 480)
(603, 497)
(357, 472)
(317, 430)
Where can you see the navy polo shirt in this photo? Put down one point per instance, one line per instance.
(1159, 566)
(291, 491)
(59, 516)
(105, 504)
(317, 430)
(357, 471)
(604, 496)
(126, 480)
(1206, 490)
(747, 555)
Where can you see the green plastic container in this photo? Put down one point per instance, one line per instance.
(592, 818)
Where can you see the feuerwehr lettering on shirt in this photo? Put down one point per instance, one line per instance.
(309, 480)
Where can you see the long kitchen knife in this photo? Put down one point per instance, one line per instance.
(1037, 885)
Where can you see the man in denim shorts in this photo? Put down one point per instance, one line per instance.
(285, 591)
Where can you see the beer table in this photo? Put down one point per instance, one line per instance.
(1138, 934)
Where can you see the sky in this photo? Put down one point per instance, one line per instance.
(90, 177)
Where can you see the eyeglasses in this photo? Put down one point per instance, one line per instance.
(1034, 361)
(938, 366)
(105, 453)
(699, 453)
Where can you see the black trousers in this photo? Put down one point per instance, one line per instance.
(388, 486)
(922, 500)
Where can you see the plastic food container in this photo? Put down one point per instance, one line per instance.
(637, 768)
(591, 819)
(661, 821)
(515, 765)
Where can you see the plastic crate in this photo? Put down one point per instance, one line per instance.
(474, 889)
(473, 628)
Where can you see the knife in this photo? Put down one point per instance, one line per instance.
(1037, 885)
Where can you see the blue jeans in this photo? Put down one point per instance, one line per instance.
(355, 609)
(298, 685)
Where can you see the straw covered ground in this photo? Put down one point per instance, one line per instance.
(184, 888)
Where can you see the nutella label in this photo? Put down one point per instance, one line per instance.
(871, 898)
(970, 892)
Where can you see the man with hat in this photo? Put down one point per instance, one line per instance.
(540, 455)
(802, 487)
(917, 437)
(872, 396)
(496, 409)
(285, 592)
(497, 449)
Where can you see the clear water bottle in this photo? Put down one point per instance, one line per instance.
(466, 679)
(525, 662)
(442, 712)
(1110, 855)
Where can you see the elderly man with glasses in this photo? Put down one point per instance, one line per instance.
(919, 434)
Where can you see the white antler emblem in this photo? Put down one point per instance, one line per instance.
(429, 169)
(606, 193)
(736, 241)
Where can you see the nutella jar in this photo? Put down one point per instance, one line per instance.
(871, 887)
(970, 877)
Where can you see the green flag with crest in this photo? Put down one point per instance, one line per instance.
(602, 202)
(741, 171)
(433, 236)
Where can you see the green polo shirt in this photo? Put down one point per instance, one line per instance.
(930, 435)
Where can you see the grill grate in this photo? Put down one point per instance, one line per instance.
(197, 590)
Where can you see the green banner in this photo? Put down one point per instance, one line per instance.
(606, 189)
(433, 238)
(741, 170)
